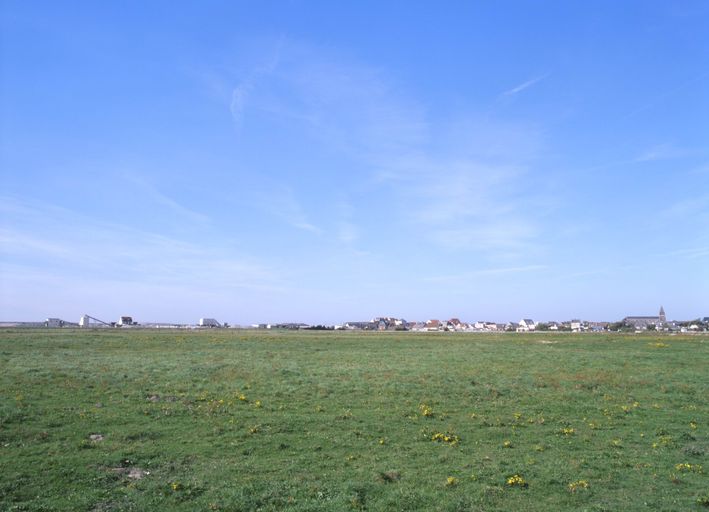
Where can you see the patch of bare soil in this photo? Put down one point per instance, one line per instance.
(158, 398)
(134, 473)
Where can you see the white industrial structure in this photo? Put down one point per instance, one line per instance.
(89, 321)
(209, 322)
(126, 320)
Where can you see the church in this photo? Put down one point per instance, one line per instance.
(641, 322)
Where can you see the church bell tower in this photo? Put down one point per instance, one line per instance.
(663, 319)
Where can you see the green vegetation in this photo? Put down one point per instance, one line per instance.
(245, 420)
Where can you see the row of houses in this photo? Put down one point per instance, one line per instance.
(456, 325)
(629, 323)
(398, 324)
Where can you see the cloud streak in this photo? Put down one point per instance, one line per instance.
(241, 92)
(160, 198)
(698, 252)
(467, 276)
(458, 182)
(278, 199)
(663, 96)
(51, 241)
(525, 85)
(662, 152)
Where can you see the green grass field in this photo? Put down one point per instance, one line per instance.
(244, 420)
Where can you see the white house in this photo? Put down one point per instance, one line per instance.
(526, 324)
(434, 325)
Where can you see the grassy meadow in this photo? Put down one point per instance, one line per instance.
(111, 420)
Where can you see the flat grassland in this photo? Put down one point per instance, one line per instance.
(141, 420)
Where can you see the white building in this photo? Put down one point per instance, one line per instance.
(526, 325)
(125, 320)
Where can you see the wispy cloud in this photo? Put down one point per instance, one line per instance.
(690, 208)
(241, 92)
(14, 242)
(466, 276)
(701, 170)
(77, 246)
(473, 200)
(343, 105)
(525, 85)
(238, 99)
(158, 197)
(347, 232)
(583, 273)
(664, 95)
(459, 183)
(279, 200)
(662, 152)
(697, 252)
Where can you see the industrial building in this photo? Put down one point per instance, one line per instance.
(126, 320)
(209, 322)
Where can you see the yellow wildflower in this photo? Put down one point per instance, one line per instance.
(578, 485)
(447, 437)
(426, 410)
(693, 468)
(516, 481)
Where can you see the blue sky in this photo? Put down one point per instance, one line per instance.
(329, 161)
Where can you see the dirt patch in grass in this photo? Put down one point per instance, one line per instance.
(104, 506)
(159, 398)
(389, 476)
(134, 473)
(128, 470)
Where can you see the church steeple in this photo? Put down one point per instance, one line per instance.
(663, 319)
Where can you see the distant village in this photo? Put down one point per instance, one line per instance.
(627, 324)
